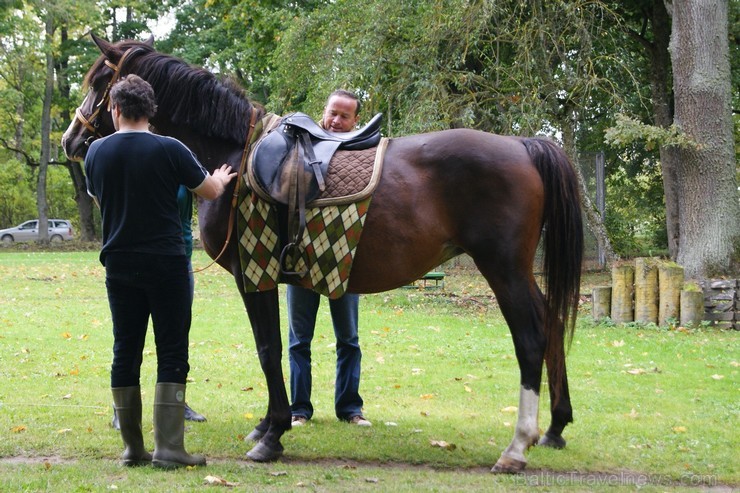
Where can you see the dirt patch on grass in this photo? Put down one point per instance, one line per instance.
(530, 477)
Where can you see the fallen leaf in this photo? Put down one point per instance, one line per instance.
(718, 377)
(66, 335)
(279, 473)
(371, 480)
(679, 429)
(391, 423)
(64, 430)
(218, 481)
(427, 396)
(248, 415)
(468, 389)
(632, 414)
(636, 371)
(617, 343)
(510, 409)
(18, 429)
(442, 444)
(68, 396)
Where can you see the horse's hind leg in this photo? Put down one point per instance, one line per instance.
(521, 303)
(560, 406)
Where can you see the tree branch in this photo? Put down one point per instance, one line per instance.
(30, 161)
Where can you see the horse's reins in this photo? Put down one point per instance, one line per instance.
(235, 196)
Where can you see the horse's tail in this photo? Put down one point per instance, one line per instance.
(563, 248)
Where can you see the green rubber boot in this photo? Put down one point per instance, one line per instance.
(127, 403)
(169, 428)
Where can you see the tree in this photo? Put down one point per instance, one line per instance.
(709, 211)
(509, 67)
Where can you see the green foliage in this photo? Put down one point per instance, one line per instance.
(17, 202)
(566, 68)
(635, 221)
(628, 131)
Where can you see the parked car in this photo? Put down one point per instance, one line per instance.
(59, 230)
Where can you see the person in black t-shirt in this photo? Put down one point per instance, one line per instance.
(133, 175)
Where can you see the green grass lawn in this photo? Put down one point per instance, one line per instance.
(654, 408)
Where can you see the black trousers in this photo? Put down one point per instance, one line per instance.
(141, 286)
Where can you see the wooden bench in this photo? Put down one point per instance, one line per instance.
(438, 277)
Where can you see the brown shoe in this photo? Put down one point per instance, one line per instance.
(359, 420)
(298, 421)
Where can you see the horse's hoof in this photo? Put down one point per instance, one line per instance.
(556, 442)
(265, 453)
(507, 465)
(255, 436)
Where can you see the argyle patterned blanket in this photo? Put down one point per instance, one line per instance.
(329, 243)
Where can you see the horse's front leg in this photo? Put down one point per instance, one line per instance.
(263, 311)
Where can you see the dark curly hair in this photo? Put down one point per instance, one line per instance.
(134, 97)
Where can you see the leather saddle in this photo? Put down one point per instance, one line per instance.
(289, 165)
(297, 153)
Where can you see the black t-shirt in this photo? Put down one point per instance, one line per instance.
(135, 177)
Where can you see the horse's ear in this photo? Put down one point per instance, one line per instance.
(150, 41)
(105, 47)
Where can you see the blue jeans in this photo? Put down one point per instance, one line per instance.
(303, 304)
(141, 286)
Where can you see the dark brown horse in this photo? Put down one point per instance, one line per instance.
(441, 194)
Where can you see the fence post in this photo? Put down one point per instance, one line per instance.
(602, 302)
(670, 281)
(646, 290)
(623, 277)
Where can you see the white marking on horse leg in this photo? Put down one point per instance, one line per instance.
(527, 431)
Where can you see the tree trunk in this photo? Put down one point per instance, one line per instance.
(660, 90)
(709, 213)
(84, 201)
(43, 207)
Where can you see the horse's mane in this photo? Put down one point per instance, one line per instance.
(188, 95)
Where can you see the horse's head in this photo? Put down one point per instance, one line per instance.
(93, 118)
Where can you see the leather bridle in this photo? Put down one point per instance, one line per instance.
(91, 123)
